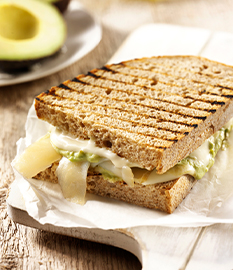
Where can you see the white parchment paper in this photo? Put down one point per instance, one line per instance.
(210, 201)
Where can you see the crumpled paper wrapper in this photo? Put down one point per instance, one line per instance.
(209, 202)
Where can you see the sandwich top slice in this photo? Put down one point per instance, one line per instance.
(142, 131)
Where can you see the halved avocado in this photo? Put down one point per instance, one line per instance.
(62, 5)
(30, 30)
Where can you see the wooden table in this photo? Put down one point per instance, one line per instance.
(26, 248)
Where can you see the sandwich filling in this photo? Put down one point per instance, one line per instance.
(76, 156)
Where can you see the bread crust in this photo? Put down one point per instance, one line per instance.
(163, 196)
(152, 111)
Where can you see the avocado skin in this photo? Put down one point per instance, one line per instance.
(11, 66)
(62, 5)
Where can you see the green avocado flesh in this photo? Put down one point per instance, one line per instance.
(214, 143)
(107, 175)
(92, 158)
(196, 164)
(79, 156)
(30, 30)
(202, 159)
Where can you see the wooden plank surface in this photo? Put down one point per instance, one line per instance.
(26, 248)
(214, 250)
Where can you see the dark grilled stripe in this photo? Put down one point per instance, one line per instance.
(92, 74)
(170, 75)
(187, 70)
(148, 97)
(201, 117)
(218, 103)
(77, 80)
(154, 108)
(212, 111)
(228, 96)
(139, 104)
(63, 86)
(164, 91)
(105, 68)
(176, 133)
(119, 128)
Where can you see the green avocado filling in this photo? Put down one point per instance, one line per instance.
(92, 158)
(79, 156)
(193, 166)
(215, 142)
(107, 175)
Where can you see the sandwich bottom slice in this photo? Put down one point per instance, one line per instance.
(162, 196)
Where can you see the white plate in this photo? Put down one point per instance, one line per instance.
(83, 34)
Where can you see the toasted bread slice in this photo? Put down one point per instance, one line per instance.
(163, 196)
(151, 111)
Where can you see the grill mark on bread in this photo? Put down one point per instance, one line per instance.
(202, 72)
(199, 68)
(188, 96)
(178, 108)
(122, 69)
(146, 138)
(80, 80)
(76, 80)
(156, 125)
(228, 96)
(62, 85)
(138, 106)
(202, 117)
(108, 69)
(219, 102)
(213, 111)
(92, 74)
(182, 120)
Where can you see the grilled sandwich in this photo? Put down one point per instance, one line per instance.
(142, 131)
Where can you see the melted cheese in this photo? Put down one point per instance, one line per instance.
(65, 142)
(36, 158)
(130, 172)
(72, 180)
(124, 173)
(117, 165)
(202, 153)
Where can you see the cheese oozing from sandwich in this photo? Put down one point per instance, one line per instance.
(78, 155)
(110, 164)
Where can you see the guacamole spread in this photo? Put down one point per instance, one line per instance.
(79, 156)
(209, 148)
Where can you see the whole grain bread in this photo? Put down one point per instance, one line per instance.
(152, 111)
(163, 196)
